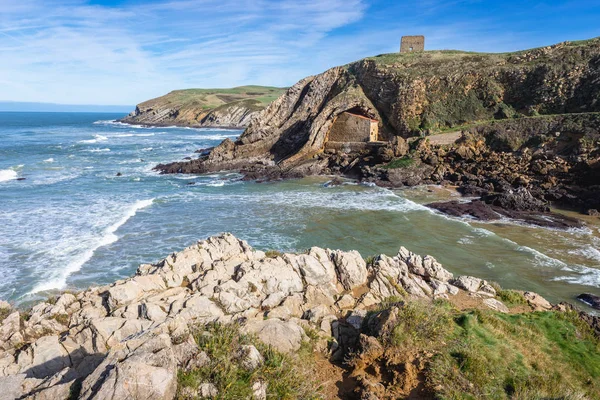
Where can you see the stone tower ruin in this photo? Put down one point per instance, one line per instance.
(411, 44)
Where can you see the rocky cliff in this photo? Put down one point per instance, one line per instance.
(232, 108)
(413, 94)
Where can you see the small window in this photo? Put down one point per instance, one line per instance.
(410, 49)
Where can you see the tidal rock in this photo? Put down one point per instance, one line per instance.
(590, 299)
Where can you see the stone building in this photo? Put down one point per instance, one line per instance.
(349, 127)
(412, 43)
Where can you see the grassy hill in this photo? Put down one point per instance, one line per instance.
(205, 107)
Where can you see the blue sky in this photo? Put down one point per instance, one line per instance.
(124, 52)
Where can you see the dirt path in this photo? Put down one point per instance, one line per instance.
(441, 139)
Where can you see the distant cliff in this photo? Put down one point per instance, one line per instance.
(205, 107)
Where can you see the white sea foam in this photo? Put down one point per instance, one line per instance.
(465, 240)
(544, 260)
(589, 252)
(7, 175)
(105, 150)
(582, 275)
(97, 139)
(216, 183)
(125, 135)
(49, 160)
(108, 237)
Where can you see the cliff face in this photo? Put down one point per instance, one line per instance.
(412, 94)
(205, 107)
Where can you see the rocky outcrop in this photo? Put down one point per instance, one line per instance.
(129, 339)
(410, 95)
(221, 108)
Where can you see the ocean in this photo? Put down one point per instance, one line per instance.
(90, 209)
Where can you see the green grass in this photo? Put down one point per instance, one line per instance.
(212, 98)
(403, 162)
(524, 356)
(287, 376)
(511, 297)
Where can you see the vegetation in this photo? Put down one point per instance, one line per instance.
(273, 253)
(511, 297)
(486, 354)
(403, 162)
(207, 99)
(287, 377)
(4, 312)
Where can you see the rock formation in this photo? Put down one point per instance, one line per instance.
(411, 95)
(130, 338)
(224, 108)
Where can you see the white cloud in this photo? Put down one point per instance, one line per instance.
(69, 51)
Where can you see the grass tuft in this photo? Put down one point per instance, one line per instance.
(286, 376)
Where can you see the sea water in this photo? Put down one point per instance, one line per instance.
(72, 222)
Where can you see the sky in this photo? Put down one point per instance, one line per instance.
(128, 51)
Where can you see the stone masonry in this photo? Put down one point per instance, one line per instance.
(412, 43)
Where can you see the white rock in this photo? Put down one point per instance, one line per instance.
(49, 357)
(496, 305)
(249, 357)
(351, 268)
(208, 390)
(259, 390)
(468, 283)
(139, 369)
(283, 336)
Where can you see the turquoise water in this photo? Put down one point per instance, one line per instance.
(73, 222)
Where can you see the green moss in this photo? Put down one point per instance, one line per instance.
(403, 162)
(286, 377)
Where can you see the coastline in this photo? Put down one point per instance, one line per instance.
(71, 339)
(176, 125)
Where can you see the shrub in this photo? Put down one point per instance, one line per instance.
(273, 253)
(511, 297)
(420, 324)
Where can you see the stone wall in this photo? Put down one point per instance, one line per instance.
(412, 43)
(350, 127)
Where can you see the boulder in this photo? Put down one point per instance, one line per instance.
(496, 305)
(351, 268)
(143, 368)
(249, 357)
(49, 357)
(283, 336)
(537, 302)
(259, 390)
(207, 390)
(468, 283)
